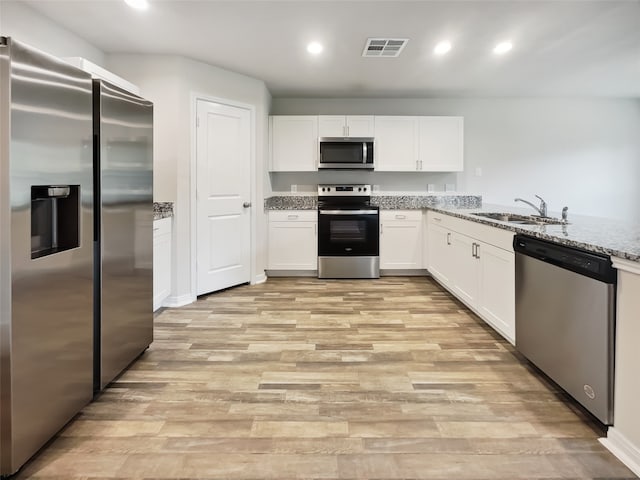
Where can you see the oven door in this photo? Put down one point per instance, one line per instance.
(348, 232)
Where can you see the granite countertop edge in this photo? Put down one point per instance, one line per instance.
(598, 235)
(162, 210)
(587, 233)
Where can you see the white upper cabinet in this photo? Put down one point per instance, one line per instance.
(402, 143)
(422, 144)
(396, 144)
(345, 126)
(293, 143)
(441, 144)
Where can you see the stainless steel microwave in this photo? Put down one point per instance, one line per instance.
(338, 153)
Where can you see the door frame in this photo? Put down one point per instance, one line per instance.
(195, 98)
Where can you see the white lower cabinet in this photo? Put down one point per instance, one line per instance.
(479, 273)
(161, 261)
(401, 239)
(293, 240)
(465, 268)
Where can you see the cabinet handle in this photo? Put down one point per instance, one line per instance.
(401, 217)
(478, 251)
(473, 250)
(292, 217)
(417, 163)
(437, 219)
(381, 229)
(448, 238)
(315, 229)
(348, 130)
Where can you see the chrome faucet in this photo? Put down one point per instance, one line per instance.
(542, 209)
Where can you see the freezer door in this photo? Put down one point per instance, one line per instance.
(124, 128)
(47, 327)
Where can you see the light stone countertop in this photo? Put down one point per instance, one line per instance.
(162, 210)
(600, 235)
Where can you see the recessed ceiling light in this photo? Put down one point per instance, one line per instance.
(138, 4)
(314, 48)
(442, 48)
(502, 48)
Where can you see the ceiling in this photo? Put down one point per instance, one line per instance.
(561, 47)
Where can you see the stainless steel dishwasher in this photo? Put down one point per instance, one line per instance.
(565, 319)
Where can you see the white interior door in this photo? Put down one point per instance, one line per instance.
(223, 182)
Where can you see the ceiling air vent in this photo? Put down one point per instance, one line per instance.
(384, 47)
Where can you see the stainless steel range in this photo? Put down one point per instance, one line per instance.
(348, 232)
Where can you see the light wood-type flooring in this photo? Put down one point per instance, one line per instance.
(316, 379)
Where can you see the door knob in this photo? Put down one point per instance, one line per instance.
(246, 204)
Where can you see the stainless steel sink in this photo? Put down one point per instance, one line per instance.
(521, 219)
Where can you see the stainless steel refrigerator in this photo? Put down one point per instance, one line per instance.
(46, 248)
(123, 166)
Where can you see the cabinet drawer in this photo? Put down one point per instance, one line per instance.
(293, 215)
(401, 215)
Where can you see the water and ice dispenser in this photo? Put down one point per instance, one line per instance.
(55, 219)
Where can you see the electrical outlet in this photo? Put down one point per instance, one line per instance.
(376, 188)
(294, 188)
(449, 187)
(478, 171)
(431, 187)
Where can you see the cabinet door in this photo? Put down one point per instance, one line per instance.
(360, 126)
(439, 258)
(294, 143)
(396, 145)
(293, 245)
(332, 126)
(401, 239)
(161, 261)
(497, 289)
(466, 269)
(441, 142)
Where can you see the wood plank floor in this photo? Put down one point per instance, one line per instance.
(305, 378)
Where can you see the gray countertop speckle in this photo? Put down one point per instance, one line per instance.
(386, 201)
(162, 210)
(600, 235)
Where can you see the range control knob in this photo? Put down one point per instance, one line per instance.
(365, 189)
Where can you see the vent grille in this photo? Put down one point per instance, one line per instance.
(384, 47)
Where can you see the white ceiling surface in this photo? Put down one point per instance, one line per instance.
(561, 47)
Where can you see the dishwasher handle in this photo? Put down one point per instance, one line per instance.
(589, 264)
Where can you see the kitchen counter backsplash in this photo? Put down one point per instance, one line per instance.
(387, 201)
(594, 234)
(162, 210)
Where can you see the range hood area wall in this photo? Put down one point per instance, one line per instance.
(578, 152)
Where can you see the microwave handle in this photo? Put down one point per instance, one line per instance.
(364, 152)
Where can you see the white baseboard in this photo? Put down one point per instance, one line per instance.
(621, 447)
(178, 301)
(260, 278)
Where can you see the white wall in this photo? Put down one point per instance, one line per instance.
(20, 21)
(582, 153)
(170, 83)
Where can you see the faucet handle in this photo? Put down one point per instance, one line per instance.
(564, 213)
(543, 206)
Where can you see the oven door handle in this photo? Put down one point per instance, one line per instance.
(348, 212)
